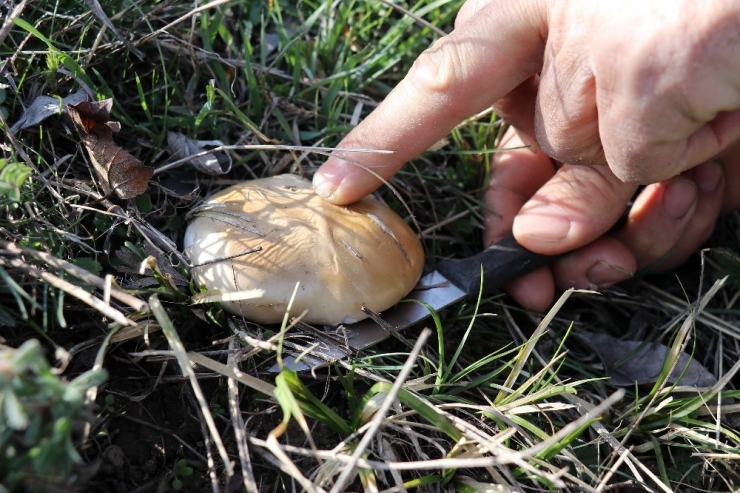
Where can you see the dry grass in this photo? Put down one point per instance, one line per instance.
(103, 285)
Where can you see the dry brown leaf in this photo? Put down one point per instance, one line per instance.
(118, 170)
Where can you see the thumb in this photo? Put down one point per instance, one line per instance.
(576, 206)
(462, 74)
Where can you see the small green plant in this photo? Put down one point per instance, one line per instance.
(12, 177)
(217, 409)
(110, 401)
(182, 470)
(39, 415)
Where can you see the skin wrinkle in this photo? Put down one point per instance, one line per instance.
(518, 108)
(438, 70)
(432, 72)
(654, 154)
(562, 117)
(717, 131)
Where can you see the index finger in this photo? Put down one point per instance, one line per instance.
(460, 75)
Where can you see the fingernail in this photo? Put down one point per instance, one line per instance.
(603, 274)
(327, 179)
(679, 196)
(545, 223)
(707, 176)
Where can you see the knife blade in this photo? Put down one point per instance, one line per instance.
(452, 281)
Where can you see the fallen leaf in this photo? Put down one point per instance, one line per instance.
(627, 363)
(182, 147)
(45, 106)
(118, 170)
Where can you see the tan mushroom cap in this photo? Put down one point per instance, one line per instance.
(344, 257)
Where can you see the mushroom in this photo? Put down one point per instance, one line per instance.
(343, 257)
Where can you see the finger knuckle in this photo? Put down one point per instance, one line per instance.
(434, 77)
(642, 163)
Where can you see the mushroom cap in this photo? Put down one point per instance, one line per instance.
(343, 257)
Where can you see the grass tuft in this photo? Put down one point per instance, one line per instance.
(118, 374)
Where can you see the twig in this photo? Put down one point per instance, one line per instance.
(417, 19)
(8, 24)
(207, 440)
(444, 222)
(233, 373)
(185, 17)
(424, 465)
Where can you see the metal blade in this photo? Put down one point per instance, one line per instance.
(433, 289)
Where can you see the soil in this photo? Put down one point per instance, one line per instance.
(150, 420)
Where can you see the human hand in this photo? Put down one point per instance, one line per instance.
(667, 222)
(623, 84)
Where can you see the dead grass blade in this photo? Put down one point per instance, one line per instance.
(237, 422)
(233, 373)
(528, 347)
(288, 466)
(377, 420)
(81, 274)
(679, 345)
(69, 288)
(187, 370)
(583, 407)
(8, 23)
(324, 151)
(177, 21)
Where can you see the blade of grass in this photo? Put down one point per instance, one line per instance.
(460, 346)
(527, 347)
(187, 371)
(377, 420)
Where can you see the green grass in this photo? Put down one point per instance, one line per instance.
(496, 396)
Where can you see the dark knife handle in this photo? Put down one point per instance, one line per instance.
(502, 263)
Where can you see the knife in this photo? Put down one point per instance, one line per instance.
(452, 281)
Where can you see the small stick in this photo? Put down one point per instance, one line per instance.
(207, 439)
